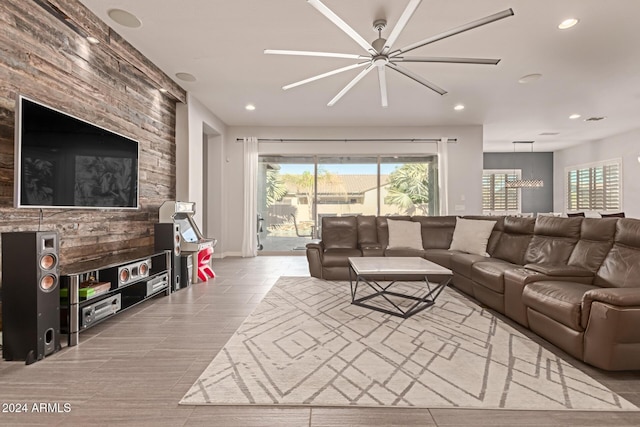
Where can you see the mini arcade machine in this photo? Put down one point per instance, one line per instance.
(192, 242)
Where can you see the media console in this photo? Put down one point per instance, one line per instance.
(133, 278)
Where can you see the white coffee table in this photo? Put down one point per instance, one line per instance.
(370, 269)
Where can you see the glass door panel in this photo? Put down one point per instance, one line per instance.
(286, 191)
(347, 186)
(409, 185)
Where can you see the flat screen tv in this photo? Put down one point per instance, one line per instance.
(64, 162)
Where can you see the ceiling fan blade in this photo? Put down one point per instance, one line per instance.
(327, 74)
(417, 78)
(404, 18)
(445, 60)
(351, 84)
(309, 53)
(329, 14)
(470, 26)
(382, 78)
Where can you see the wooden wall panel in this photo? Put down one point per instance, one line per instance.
(110, 84)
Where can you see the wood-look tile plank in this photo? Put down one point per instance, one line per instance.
(480, 417)
(370, 417)
(251, 416)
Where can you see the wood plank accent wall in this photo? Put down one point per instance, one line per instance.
(110, 84)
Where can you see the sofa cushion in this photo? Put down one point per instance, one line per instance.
(553, 240)
(596, 239)
(404, 235)
(439, 256)
(462, 262)
(490, 274)
(621, 266)
(383, 228)
(339, 257)
(559, 270)
(560, 301)
(437, 231)
(367, 230)
(471, 236)
(515, 239)
(497, 229)
(404, 252)
(340, 232)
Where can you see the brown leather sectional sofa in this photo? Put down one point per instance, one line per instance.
(573, 281)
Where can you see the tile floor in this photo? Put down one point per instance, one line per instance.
(134, 368)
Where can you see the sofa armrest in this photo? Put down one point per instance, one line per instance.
(316, 245)
(371, 249)
(314, 257)
(559, 270)
(621, 297)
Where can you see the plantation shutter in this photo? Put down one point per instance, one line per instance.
(594, 188)
(495, 196)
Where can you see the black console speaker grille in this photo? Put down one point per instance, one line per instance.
(30, 295)
(167, 237)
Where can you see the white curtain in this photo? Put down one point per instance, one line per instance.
(249, 238)
(443, 161)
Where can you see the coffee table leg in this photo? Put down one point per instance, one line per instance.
(353, 289)
(429, 299)
(421, 302)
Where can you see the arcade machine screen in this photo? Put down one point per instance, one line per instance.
(187, 230)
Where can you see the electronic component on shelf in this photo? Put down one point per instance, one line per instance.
(133, 272)
(157, 283)
(99, 310)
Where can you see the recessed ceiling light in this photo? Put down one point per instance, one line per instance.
(567, 23)
(574, 116)
(186, 77)
(163, 90)
(92, 40)
(459, 107)
(250, 107)
(529, 78)
(124, 18)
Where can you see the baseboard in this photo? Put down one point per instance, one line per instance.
(221, 255)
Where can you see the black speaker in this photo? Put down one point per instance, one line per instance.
(30, 295)
(167, 237)
(186, 265)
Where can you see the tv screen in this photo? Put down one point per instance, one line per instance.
(62, 161)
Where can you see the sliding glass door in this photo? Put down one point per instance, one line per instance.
(286, 210)
(296, 192)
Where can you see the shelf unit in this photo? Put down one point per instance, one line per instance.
(134, 278)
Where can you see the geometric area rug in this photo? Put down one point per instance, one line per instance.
(305, 344)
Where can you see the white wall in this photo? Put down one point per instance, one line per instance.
(464, 172)
(196, 126)
(625, 146)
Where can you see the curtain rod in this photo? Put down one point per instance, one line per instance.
(350, 140)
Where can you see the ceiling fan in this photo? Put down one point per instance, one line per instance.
(380, 53)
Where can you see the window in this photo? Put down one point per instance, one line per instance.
(496, 198)
(594, 187)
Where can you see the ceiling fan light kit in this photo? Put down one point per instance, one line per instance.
(379, 53)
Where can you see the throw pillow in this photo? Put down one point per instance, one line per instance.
(472, 236)
(404, 235)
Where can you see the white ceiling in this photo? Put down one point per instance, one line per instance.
(592, 69)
